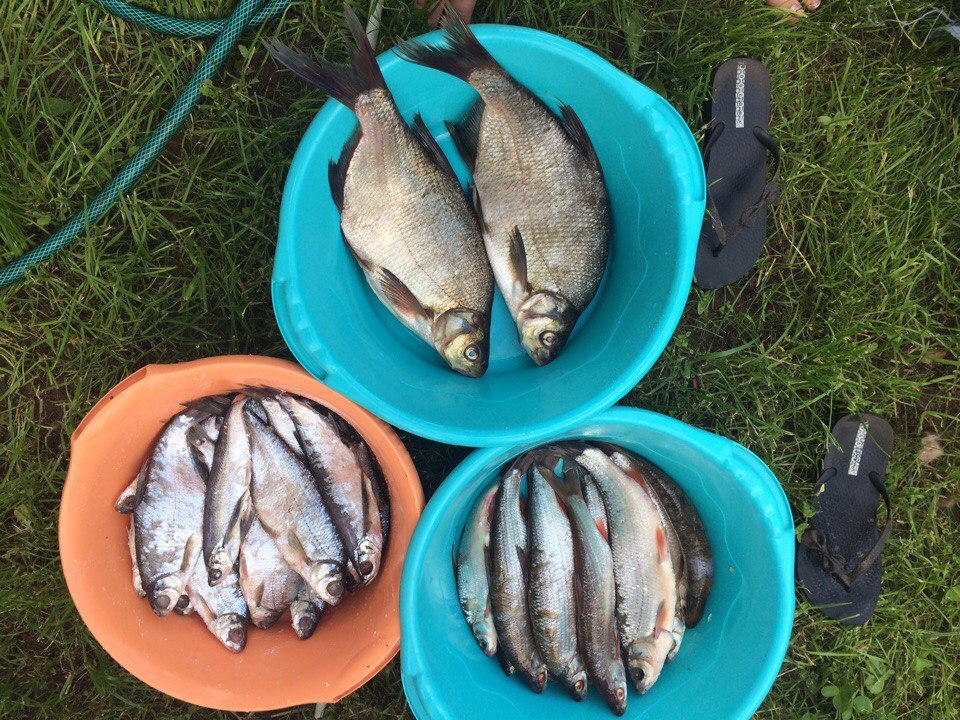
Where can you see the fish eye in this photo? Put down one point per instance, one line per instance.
(579, 685)
(471, 353)
(619, 693)
(548, 337)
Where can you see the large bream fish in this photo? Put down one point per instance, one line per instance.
(540, 194)
(403, 213)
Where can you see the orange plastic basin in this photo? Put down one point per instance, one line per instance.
(177, 655)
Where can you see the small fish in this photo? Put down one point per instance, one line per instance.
(168, 520)
(227, 510)
(509, 552)
(292, 512)
(403, 214)
(221, 606)
(137, 582)
(472, 569)
(132, 493)
(371, 469)
(306, 611)
(540, 194)
(345, 489)
(694, 541)
(598, 593)
(553, 604)
(268, 583)
(642, 566)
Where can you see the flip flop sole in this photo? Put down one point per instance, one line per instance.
(846, 511)
(737, 171)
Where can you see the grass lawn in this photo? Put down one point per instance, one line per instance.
(854, 305)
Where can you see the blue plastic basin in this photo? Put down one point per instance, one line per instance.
(726, 664)
(341, 333)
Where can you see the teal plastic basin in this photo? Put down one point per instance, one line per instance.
(726, 664)
(341, 334)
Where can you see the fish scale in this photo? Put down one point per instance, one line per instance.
(437, 252)
(553, 605)
(168, 520)
(530, 174)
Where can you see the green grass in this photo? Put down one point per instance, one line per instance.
(854, 305)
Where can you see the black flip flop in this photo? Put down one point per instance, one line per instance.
(735, 157)
(838, 557)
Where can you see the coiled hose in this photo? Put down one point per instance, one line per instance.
(248, 14)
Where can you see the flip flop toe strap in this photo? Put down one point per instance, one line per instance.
(815, 540)
(768, 196)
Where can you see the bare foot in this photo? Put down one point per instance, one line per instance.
(463, 7)
(794, 7)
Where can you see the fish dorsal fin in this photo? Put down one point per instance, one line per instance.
(518, 259)
(337, 172)
(574, 127)
(430, 144)
(466, 133)
(474, 195)
(401, 296)
(258, 593)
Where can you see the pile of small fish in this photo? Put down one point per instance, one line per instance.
(600, 576)
(281, 498)
(536, 219)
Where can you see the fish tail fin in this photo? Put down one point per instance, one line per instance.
(200, 410)
(342, 82)
(460, 55)
(568, 484)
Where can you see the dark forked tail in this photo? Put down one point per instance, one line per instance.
(342, 82)
(459, 55)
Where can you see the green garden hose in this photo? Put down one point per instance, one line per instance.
(248, 14)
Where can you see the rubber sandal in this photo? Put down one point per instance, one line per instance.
(838, 557)
(735, 157)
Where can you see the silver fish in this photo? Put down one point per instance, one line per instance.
(598, 593)
(227, 510)
(642, 565)
(403, 213)
(509, 551)
(345, 489)
(628, 464)
(292, 512)
(553, 604)
(130, 497)
(273, 413)
(545, 214)
(268, 583)
(221, 606)
(168, 520)
(371, 469)
(473, 580)
(306, 611)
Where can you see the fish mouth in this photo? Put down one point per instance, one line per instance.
(368, 560)
(266, 619)
(166, 595)
(305, 626)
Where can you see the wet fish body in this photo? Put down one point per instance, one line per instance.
(227, 509)
(509, 550)
(403, 213)
(642, 566)
(168, 520)
(553, 605)
(268, 583)
(292, 512)
(596, 622)
(345, 490)
(541, 197)
(473, 580)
